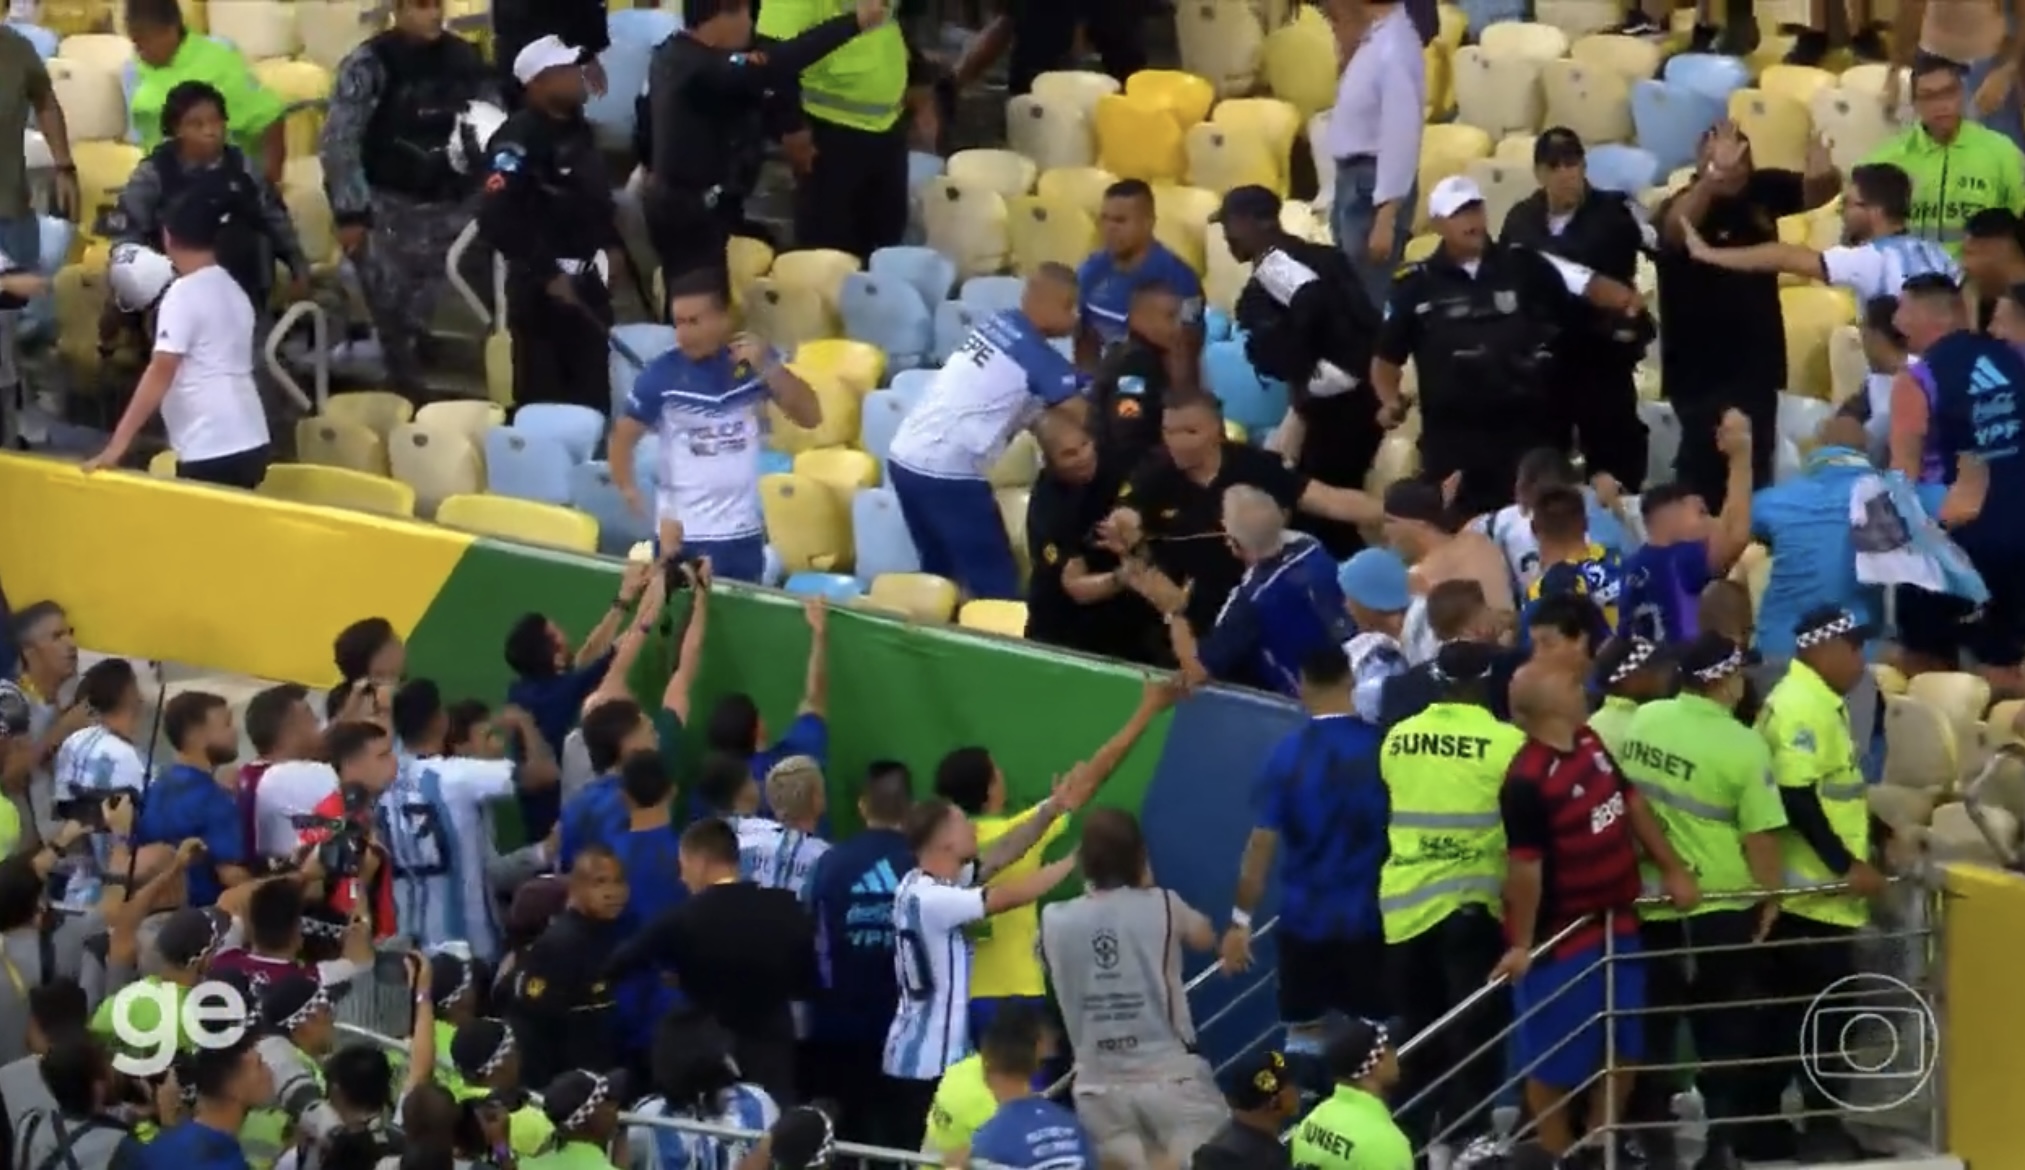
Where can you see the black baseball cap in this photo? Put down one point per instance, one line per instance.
(803, 1138)
(479, 1046)
(1248, 203)
(188, 936)
(1256, 1081)
(197, 217)
(1558, 146)
(1622, 658)
(1461, 662)
(1353, 1048)
(292, 1000)
(1711, 658)
(572, 1098)
(1823, 622)
(450, 978)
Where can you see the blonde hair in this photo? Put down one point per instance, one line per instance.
(793, 786)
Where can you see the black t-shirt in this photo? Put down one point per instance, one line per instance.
(1061, 523)
(1183, 519)
(1724, 331)
(1126, 393)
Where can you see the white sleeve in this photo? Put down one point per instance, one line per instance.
(476, 781)
(127, 772)
(1575, 276)
(1861, 270)
(177, 322)
(947, 908)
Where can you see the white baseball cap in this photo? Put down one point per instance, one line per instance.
(1452, 195)
(542, 55)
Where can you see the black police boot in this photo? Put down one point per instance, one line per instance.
(1809, 48)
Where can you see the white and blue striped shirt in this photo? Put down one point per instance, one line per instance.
(432, 821)
(1880, 267)
(655, 1147)
(931, 962)
(94, 759)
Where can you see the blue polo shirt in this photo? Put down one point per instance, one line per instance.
(808, 735)
(851, 896)
(1105, 289)
(554, 702)
(1321, 793)
(1282, 609)
(653, 865)
(188, 802)
(1033, 1133)
(595, 815)
(192, 1145)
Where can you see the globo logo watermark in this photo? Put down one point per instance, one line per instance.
(209, 1015)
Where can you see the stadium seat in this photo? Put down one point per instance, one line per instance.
(1777, 125)
(1079, 88)
(578, 428)
(331, 29)
(1216, 325)
(336, 487)
(1080, 187)
(331, 443)
(1871, 79)
(1498, 95)
(1012, 512)
(1578, 18)
(991, 294)
(821, 270)
(647, 463)
(110, 51)
(1799, 82)
(1251, 402)
(1800, 417)
(526, 521)
(302, 85)
(837, 588)
(954, 321)
(772, 462)
(1139, 139)
(967, 223)
(1662, 440)
(1052, 134)
(1632, 58)
(1848, 366)
(78, 295)
(593, 493)
(1007, 172)
(1181, 221)
(1446, 150)
(1044, 231)
(1274, 123)
(924, 597)
(468, 416)
(889, 315)
(1812, 313)
(1452, 26)
(1960, 696)
(1890, 679)
(1223, 278)
(880, 535)
(786, 316)
(1920, 748)
(528, 465)
(93, 108)
(1220, 158)
(840, 415)
(1853, 124)
(1591, 100)
(1299, 62)
(648, 341)
(1515, 148)
(1669, 120)
(1019, 466)
(379, 411)
(257, 28)
(1398, 459)
(102, 171)
(1625, 169)
(860, 366)
(1438, 65)
(806, 523)
(842, 470)
(1220, 41)
(1185, 96)
(1007, 619)
(931, 274)
(1707, 74)
(879, 421)
(909, 385)
(163, 465)
(438, 458)
(1504, 184)
(1519, 38)
(632, 35)
(746, 260)
(44, 40)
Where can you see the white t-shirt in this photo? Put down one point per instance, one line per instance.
(433, 822)
(931, 962)
(286, 791)
(1511, 529)
(1880, 268)
(93, 759)
(990, 389)
(710, 472)
(213, 407)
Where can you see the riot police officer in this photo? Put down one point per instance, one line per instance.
(704, 96)
(1479, 320)
(547, 208)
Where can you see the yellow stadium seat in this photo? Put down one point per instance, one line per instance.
(309, 209)
(1078, 88)
(1453, 24)
(1515, 148)
(79, 294)
(841, 413)
(336, 487)
(94, 110)
(1958, 695)
(1219, 40)
(1220, 159)
(1520, 38)
(860, 366)
(805, 523)
(2001, 725)
(527, 521)
(1299, 61)
(1079, 187)
(1848, 367)
(1181, 221)
(1446, 150)
(1138, 139)
(332, 28)
(1579, 18)
(1275, 123)
(1007, 172)
(1799, 82)
(1504, 184)
(839, 469)
(441, 455)
(379, 411)
(1398, 459)
(298, 82)
(967, 223)
(1920, 748)
(1186, 97)
(1042, 231)
(1019, 466)
(1853, 124)
(748, 260)
(469, 417)
(163, 465)
(1007, 619)
(1012, 511)
(102, 170)
(1223, 278)
(1777, 125)
(1890, 679)
(1419, 248)
(821, 270)
(499, 367)
(924, 596)
(335, 443)
(1438, 65)
(1299, 220)
(1812, 315)
(95, 50)
(1234, 430)
(257, 28)
(1593, 101)
(1633, 58)
(1052, 134)
(788, 316)
(1497, 94)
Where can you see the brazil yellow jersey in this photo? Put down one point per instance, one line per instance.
(1004, 961)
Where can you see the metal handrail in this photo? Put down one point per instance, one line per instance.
(320, 323)
(452, 261)
(1972, 802)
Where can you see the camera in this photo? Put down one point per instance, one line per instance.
(88, 810)
(682, 571)
(342, 852)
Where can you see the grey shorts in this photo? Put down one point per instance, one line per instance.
(1142, 1124)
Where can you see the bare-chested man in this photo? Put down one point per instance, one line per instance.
(1419, 527)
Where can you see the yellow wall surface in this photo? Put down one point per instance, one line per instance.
(1982, 1048)
(214, 579)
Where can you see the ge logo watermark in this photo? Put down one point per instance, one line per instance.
(152, 1019)
(1870, 1037)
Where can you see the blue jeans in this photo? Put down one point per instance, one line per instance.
(21, 239)
(1351, 217)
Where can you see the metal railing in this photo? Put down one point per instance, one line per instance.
(320, 345)
(492, 316)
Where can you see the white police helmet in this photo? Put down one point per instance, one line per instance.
(473, 132)
(139, 276)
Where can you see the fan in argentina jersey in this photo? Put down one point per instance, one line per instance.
(703, 401)
(995, 384)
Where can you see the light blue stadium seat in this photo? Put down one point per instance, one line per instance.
(1669, 120)
(910, 385)
(879, 420)
(772, 462)
(1216, 324)
(1627, 169)
(991, 294)
(45, 41)
(1709, 74)
(879, 531)
(527, 465)
(834, 586)
(647, 464)
(1253, 403)
(578, 428)
(953, 322)
(921, 167)
(634, 34)
(890, 314)
(647, 341)
(619, 529)
(1662, 429)
(931, 273)
(1800, 417)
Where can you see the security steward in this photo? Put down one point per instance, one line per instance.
(705, 92)
(1570, 219)
(1263, 1101)
(1439, 890)
(1353, 1127)
(1827, 840)
(581, 24)
(1134, 377)
(561, 1006)
(1076, 597)
(547, 208)
(1702, 773)
(1480, 320)
(1309, 323)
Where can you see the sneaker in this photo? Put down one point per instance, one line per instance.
(1809, 48)
(1704, 38)
(1638, 24)
(1869, 45)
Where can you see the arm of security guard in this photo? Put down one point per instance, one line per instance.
(749, 76)
(1398, 337)
(1760, 815)
(509, 216)
(136, 219)
(778, 22)
(1580, 280)
(279, 227)
(355, 94)
(1799, 767)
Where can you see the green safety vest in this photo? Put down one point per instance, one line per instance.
(528, 1129)
(264, 1134)
(1979, 170)
(862, 85)
(571, 1156)
(1444, 769)
(1807, 729)
(1708, 780)
(1611, 719)
(446, 1071)
(1350, 1130)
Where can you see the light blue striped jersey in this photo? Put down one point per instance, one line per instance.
(1880, 267)
(931, 962)
(433, 823)
(93, 759)
(655, 1147)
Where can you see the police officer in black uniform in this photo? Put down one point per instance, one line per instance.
(1134, 377)
(561, 1005)
(705, 95)
(1309, 323)
(547, 208)
(1480, 321)
(1597, 230)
